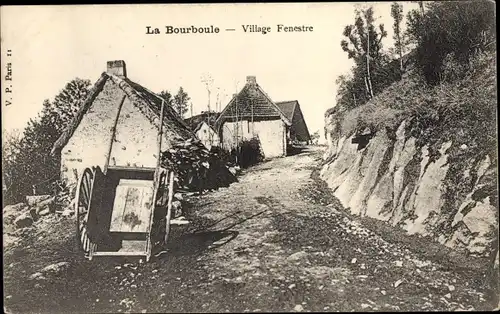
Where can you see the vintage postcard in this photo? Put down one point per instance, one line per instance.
(250, 157)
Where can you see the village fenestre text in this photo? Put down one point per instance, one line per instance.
(248, 28)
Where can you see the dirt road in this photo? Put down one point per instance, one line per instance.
(274, 241)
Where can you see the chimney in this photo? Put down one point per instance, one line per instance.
(117, 68)
(251, 80)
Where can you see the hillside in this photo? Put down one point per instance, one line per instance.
(423, 158)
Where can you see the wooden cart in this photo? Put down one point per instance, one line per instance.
(122, 211)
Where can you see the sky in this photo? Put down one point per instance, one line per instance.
(51, 45)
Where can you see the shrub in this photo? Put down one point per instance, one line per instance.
(249, 152)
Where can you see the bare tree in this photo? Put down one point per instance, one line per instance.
(208, 81)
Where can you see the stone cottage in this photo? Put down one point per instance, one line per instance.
(203, 126)
(117, 125)
(252, 114)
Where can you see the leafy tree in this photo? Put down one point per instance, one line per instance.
(165, 94)
(372, 70)
(315, 137)
(10, 149)
(29, 163)
(461, 29)
(180, 102)
(399, 40)
(66, 103)
(364, 46)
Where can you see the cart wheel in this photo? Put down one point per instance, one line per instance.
(82, 206)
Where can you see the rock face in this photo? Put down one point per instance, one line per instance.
(394, 180)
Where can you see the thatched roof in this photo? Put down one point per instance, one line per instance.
(299, 127)
(288, 107)
(251, 102)
(143, 99)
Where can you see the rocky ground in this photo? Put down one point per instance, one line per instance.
(274, 241)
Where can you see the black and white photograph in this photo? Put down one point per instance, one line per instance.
(250, 157)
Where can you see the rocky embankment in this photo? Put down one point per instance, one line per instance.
(33, 215)
(391, 178)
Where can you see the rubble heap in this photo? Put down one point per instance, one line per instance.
(22, 217)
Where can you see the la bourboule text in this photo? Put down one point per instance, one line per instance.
(248, 28)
